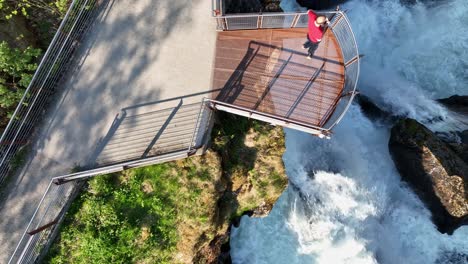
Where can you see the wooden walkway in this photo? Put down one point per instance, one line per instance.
(267, 71)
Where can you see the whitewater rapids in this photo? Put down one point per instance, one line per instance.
(346, 202)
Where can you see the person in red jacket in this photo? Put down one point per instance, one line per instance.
(315, 34)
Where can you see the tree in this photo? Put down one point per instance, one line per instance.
(16, 70)
(11, 8)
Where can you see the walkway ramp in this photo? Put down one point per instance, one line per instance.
(127, 72)
(136, 135)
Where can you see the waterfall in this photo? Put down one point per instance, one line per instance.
(346, 202)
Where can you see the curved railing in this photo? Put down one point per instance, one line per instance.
(341, 28)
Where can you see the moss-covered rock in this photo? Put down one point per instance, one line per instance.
(253, 177)
(436, 173)
(180, 211)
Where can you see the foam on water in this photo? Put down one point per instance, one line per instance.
(346, 202)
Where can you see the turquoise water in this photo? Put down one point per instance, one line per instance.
(348, 204)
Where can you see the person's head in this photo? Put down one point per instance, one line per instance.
(320, 20)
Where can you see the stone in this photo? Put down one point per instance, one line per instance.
(456, 103)
(433, 170)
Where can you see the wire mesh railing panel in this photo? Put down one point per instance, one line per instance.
(267, 20)
(53, 66)
(302, 21)
(345, 37)
(43, 223)
(277, 21)
(241, 22)
(203, 125)
(151, 133)
(59, 194)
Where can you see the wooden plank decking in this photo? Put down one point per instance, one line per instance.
(267, 71)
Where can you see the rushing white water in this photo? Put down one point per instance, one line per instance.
(348, 204)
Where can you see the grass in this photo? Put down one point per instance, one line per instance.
(132, 217)
(169, 213)
(121, 219)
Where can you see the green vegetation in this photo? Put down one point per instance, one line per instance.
(11, 8)
(176, 212)
(251, 154)
(16, 70)
(132, 217)
(121, 219)
(26, 28)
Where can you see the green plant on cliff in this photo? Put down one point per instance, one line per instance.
(122, 218)
(176, 212)
(133, 216)
(10, 8)
(16, 70)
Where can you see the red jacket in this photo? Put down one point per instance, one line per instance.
(315, 33)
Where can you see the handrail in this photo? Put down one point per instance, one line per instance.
(341, 28)
(270, 14)
(347, 67)
(49, 212)
(283, 119)
(30, 107)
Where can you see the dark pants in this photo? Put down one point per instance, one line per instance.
(312, 46)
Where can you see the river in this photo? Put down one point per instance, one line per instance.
(346, 202)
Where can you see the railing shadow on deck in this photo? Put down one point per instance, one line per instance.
(153, 128)
(252, 70)
(107, 70)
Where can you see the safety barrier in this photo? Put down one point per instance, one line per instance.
(52, 67)
(341, 28)
(61, 190)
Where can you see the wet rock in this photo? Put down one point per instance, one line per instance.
(456, 103)
(461, 150)
(463, 136)
(371, 110)
(451, 137)
(434, 171)
(242, 6)
(320, 4)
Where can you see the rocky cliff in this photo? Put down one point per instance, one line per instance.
(245, 161)
(435, 172)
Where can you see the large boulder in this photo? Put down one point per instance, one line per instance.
(372, 111)
(242, 6)
(320, 4)
(433, 170)
(456, 103)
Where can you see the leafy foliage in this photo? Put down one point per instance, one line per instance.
(11, 8)
(16, 71)
(127, 217)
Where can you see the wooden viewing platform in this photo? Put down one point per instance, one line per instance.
(266, 71)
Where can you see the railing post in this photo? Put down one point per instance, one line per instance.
(295, 20)
(197, 126)
(337, 20)
(260, 21)
(351, 61)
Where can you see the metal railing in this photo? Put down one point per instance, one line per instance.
(339, 25)
(49, 214)
(341, 28)
(266, 20)
(52, 67)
